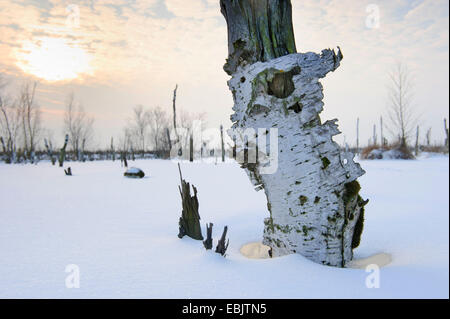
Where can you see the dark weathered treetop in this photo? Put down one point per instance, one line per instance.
(258, 30)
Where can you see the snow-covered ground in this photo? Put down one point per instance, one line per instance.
(122, 234)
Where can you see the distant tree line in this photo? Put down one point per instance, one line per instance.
(148, 133)
(20, 123)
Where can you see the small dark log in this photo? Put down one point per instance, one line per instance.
(190, 219)
(134, 172)
(221, 246)
(208, 243)
(68, 172)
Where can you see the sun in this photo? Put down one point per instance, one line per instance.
(54, 59)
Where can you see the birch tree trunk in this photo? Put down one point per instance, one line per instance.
(313, 196)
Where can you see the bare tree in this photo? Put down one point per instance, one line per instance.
(78, 125)
(357, 135)
(174, 100)
(382, 139)
(401, 111)
(416, 145)
(9, 124)
(374, 135)
(126, 141)
(158, 123)
(113, 151)
(428, 137)
(221, 143)
(30, 118)
(187, 124)
(48, 143)
(126, 144)
(139, 125)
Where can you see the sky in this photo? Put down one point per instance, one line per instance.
(116, 54)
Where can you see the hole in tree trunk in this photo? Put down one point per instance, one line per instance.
(297, 107)
(281, 85)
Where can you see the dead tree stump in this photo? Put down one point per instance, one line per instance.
(208, 243)
(62, 153)
(313, 201)
(68, 172)
(221, 246)
(190, 219)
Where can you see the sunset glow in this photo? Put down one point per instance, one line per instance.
(53, 59)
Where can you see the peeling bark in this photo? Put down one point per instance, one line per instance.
(313, 197)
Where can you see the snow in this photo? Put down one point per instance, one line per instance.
(380, 260)
(122, 234)
(133, 170)
(392, 154)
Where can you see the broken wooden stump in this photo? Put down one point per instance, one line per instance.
(221, 246)
(190, 219)
(68, 172)
(208, 243)
(62, 152)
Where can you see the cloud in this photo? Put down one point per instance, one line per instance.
(414, 32)
(138, 50)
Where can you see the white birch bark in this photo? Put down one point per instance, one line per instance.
(312, 197)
